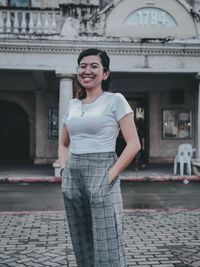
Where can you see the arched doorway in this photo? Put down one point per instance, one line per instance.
(14, 132)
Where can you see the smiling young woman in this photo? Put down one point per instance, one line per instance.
(90, 183)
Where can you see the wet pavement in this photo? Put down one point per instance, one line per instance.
(136, 195)
(152, 238)
(162, 220)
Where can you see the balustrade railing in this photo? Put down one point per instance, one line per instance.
(29, 22)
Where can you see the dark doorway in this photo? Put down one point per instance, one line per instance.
(14, 132)
(139, 104)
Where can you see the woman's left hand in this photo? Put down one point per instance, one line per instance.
(112, 176)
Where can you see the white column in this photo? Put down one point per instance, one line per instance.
(46, 23)
(8, 22)
(23, 23)
(38, 24)
(16, 23)
(1, 22)
(65, 95)
(40, 133)
(155, 149)
(31, 23)
(54, 27)
(198, 124)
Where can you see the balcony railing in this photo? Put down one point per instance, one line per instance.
(29, 22)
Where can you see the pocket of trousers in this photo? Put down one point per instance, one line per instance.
(64, 179)
(113, 181)
(116, 178)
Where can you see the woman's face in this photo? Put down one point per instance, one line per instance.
(91, 73)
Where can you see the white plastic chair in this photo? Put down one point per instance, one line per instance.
(184, 156)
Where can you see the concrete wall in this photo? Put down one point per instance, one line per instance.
(3, 2)
(45, 3)
(46, 148)
(178, 22)
(164, 150)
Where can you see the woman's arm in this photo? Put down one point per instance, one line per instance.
(63, 147)
(130, 135)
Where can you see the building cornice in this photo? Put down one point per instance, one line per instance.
(191, 49)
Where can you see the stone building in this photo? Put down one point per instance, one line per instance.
(154, 46)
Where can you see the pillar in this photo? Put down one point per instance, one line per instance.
(65, 95)
(32, 138)
(154, 130)
(40, 134)
(198, 124)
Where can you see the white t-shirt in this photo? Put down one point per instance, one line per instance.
(97, 130)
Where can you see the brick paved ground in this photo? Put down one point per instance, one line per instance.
(153, 238)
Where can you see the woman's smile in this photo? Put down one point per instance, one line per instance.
(87, 77)
(87, 80)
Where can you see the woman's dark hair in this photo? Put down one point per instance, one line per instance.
(105, 60)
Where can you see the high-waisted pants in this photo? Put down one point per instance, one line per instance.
(94, 210)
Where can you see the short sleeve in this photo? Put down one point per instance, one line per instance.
(72, 103)
(121, 106)
(64, 120)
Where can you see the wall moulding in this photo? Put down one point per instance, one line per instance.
(156, 49)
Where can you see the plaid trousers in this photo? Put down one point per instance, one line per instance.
(94, 210)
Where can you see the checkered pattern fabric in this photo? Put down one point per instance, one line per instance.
(94, 210)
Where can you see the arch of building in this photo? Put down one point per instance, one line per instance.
(31, 117)
(151, 19)
(22, 103)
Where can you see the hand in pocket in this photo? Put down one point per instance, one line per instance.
(112, 176)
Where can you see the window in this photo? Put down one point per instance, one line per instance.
(177, 124)
(19, 3)
(53, 123)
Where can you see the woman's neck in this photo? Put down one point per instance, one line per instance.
(92, 95)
